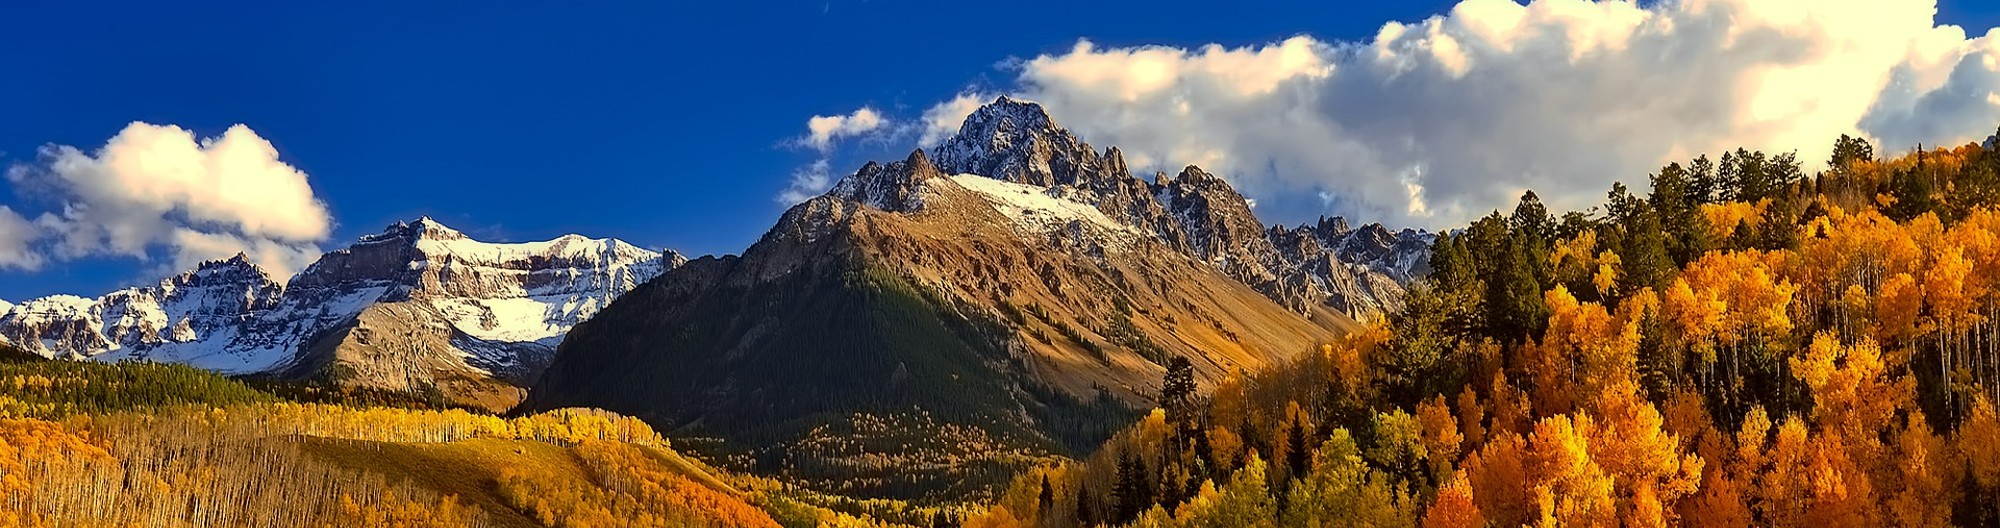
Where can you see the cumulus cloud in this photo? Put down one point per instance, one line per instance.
(1439, 121)
(159, 188)
(942, 120)
(807, 182)
(822, 134)
(821, 131)
(16, 235)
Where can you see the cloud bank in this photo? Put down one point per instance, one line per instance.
(157, 193)
(1436, 122)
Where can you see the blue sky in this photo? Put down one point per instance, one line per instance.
(662, 123)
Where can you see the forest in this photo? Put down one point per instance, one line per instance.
(137, 444)
(1744, 344)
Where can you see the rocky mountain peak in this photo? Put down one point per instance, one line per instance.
(1016, 141)
(1006, 120)
(897, 186)
(1333, 227)
(1192, 175)
(423, 228)
(232, 271)
(431, 229)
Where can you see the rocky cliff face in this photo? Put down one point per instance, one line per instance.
(418, 306)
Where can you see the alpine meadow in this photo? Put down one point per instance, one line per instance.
(1484, 264)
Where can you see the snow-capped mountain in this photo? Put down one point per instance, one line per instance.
(189, 317)
(1361, 273)
(391, 311)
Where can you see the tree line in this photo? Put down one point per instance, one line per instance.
(1744, 344)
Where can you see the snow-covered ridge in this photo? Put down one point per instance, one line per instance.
(1041, 210)
(229, 316)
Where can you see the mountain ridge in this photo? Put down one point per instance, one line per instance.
(998, 310)
(1360, 273)
(476, 310)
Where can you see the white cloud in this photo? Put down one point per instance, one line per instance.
(807, 182)
(821, 131)
(155, 187)
(16, 235)
(941, 121)
(1436, 122)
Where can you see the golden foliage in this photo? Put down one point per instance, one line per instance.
(1454, 507)
(633, 490)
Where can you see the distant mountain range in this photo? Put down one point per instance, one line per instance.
(417, 307)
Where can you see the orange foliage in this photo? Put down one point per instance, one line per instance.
(397, 512)
(1726, 297)
(1441, 437)
(39, 457)
(1454, 507)
(1584, 350)
(635, 490)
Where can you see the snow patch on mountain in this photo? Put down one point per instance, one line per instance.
(1041, 211)
(229, 316)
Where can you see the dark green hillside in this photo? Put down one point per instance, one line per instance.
(807, 375)
(35, 387)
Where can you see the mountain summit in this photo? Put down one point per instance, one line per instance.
(417, 307)
(1360, 273)
(997, 297)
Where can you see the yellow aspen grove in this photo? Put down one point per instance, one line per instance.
(1454, 507)
(1645, 461)
(1442, 437)
(1584, 350)
(1569, 488)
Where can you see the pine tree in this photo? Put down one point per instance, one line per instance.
(1132, 494)
(1086, 507)
(1177, 398)
(1046, 500)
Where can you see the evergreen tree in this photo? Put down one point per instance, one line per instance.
(1846, 151)
(1177, 398)
(1912, 192)
(1644, 255)
(1046, 500)
(1086, 511)
(1702, 185)
(1299, 458)
(1133, 493)
(1514, 295)
(1686, 234)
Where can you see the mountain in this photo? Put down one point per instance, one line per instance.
(1359, 273)
(419, 307)
(1006, 295)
